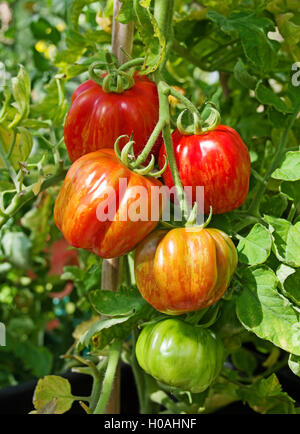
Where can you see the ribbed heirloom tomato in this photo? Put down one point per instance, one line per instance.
(93, 207)
(218, 160)
(97, 118)
(185, 269)
(180, 354)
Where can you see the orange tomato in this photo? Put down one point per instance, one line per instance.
(185, 269)
(97, 180)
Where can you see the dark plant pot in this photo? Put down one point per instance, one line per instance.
(18, 399)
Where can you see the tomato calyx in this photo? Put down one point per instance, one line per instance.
(191, 221)
(200, 126)
(115, 81)
(112, 77)
(127, 157)
(204, 318)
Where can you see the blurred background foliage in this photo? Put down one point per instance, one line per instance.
(37, 303)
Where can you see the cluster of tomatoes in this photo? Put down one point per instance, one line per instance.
(179, 270)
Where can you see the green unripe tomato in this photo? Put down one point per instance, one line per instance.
(180, 354)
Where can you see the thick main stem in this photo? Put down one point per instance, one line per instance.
(109, 378)
(122, 36)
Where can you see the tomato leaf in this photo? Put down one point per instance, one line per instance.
(76, 9)
(275, 205)
(117, 303)
(252, 30)
(154, 41)
(290, 167)
(43, 30)
(294, 364)
(36, 220)
(126, 13)
(21, 93)
(54, 105)
(242, 75)
(291, 286)
(37, 359)
(290, 32)
(127, 307)
(266, 396)
(244, 360)
(22, 147)
(102, 332)
(255, 248)
(52, 388)
(267, 96)
(286, 240)
(48, 408)
(262, 310)
(17, 248)
(291, 190)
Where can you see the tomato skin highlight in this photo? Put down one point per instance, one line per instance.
(91, 180)
(180, 354)
(97, 118)
(185, 269)
(218, 160)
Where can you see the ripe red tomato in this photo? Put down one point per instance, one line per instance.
(218, 160)
(93, 182)
(97, 118)
(185, 269)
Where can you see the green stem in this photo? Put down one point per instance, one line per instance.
(114, 354)
(174, 170)
(247, 221)
(96, 389)
(163, 14)
(164, 114)
(10, 169)
(274, 368)
(82, 398)
(138, 376)
(257, 176)
(197, 61)
(131, 64)
(254, 207)
(189, 105)
(219, 48)
(97, 383)
(149, 145)
(292, 213)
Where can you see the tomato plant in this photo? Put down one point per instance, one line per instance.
(159, 94)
